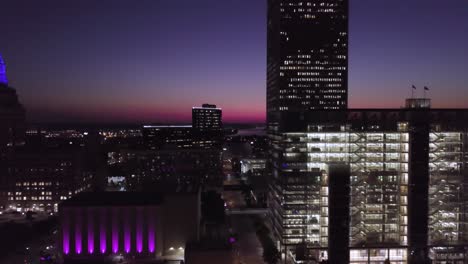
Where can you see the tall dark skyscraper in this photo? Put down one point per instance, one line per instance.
(307, 55)
(307, 71)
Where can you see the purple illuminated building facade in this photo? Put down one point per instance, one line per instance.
(3, 75)
(98, 226)
(12, 114)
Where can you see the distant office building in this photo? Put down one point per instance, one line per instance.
(407, 184)
(38, 179)
(253, 167)
(207, 118)
(307, 55)
(121, 137)
(207, 125)
(206, 132)
(168, 137)
(178, 168)
(110, 226)
(57, 138)
(184, 155)
(12, 113)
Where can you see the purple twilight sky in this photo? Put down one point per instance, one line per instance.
(152, 60)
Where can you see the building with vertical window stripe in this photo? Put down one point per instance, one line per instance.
(102, 226)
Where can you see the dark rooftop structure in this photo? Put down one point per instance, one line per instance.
(364, 119)
(114, 199)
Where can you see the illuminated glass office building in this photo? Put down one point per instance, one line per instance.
(406, 198)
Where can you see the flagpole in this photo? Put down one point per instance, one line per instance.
(425, 91)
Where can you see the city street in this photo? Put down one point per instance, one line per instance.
(30, 254)
(247, 248)
(233, 199)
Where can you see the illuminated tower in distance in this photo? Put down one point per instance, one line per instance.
(12, 126)
(12, 113)
(3, 76)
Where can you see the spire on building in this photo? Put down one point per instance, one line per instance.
(3, 75)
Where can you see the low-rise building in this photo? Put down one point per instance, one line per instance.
(253, 167)
(102, 226)
(38, 179)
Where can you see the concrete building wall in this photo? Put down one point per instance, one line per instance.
(181, 222)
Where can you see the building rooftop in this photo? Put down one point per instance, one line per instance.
(126, 198)
(114, 199)
(167, 126)
(385, 119)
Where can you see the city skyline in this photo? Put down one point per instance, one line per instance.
(142, 77)
(264, 131)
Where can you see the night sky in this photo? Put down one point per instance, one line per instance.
(152, 60)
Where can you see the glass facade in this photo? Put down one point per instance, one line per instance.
(379, 175)
(379, 183)
(394, 255)
(447, 207)
(446, 182)
(379, 188)
(449, 254)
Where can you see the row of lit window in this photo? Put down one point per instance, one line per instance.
(35, 184)
(32, 198)
(33, 170)
(316, 79)
(20, 193)
(314, 67)
(307, 3)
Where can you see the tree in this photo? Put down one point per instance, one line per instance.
(271, 254)
(30, 215)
